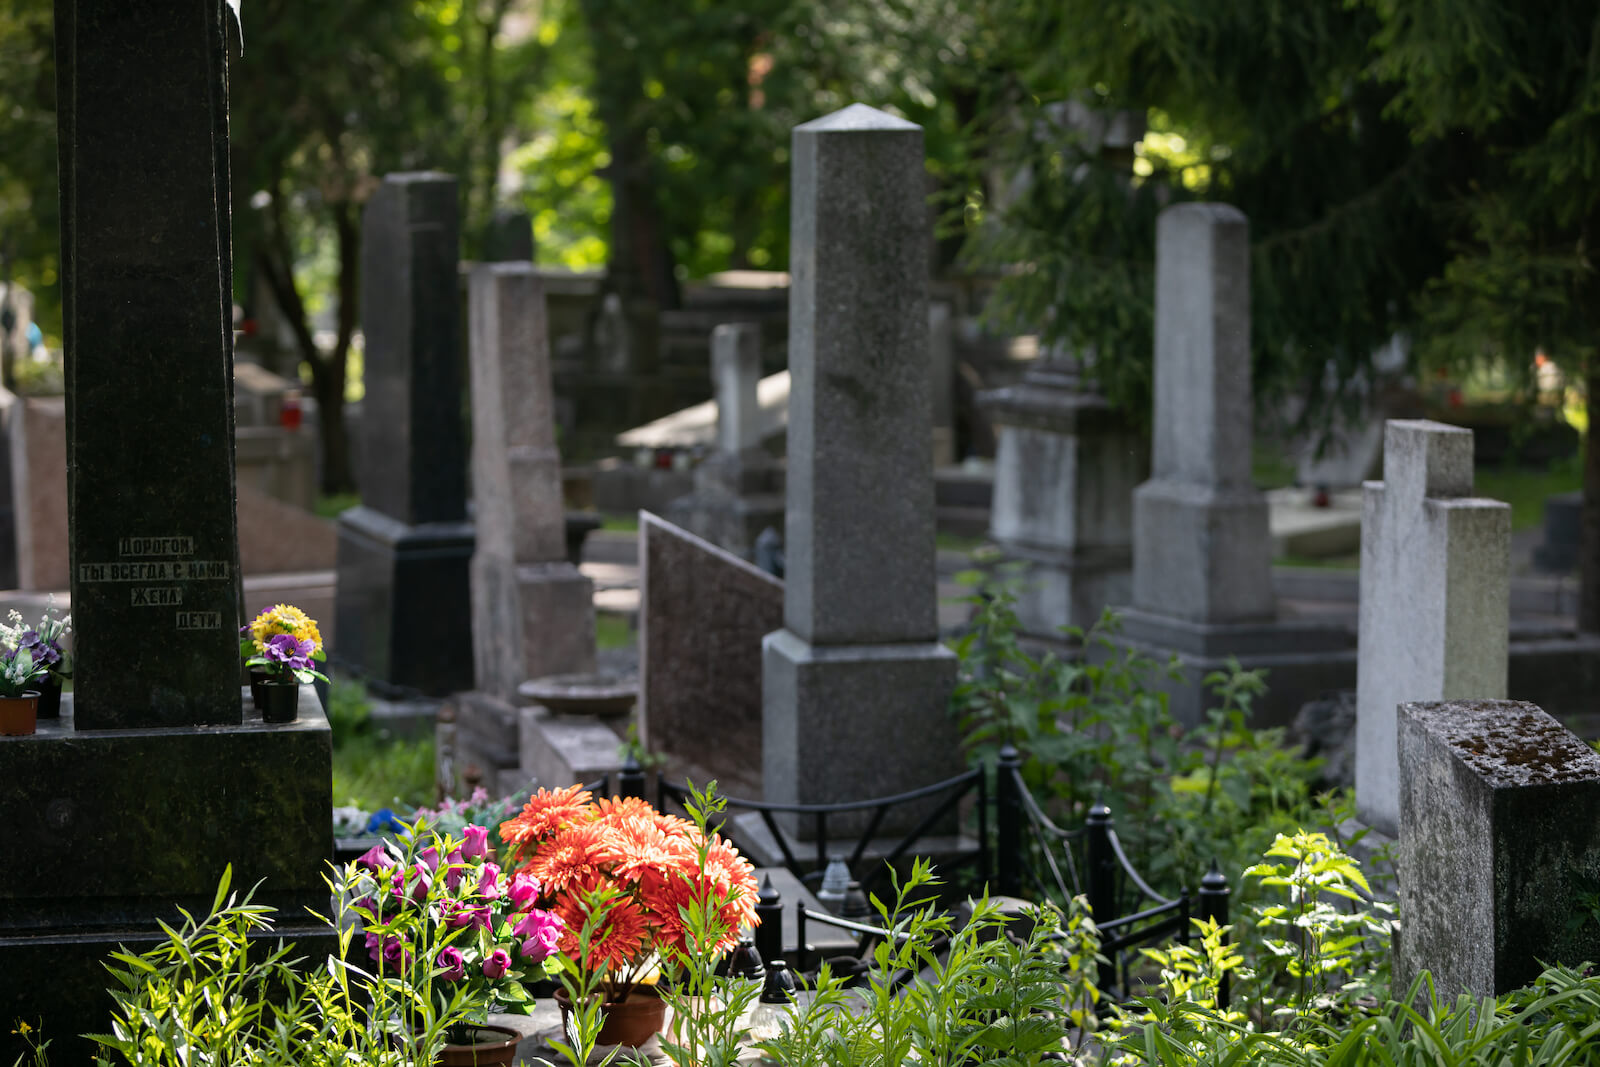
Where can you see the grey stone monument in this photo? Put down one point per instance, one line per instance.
(1499, 840)
(942, 367)
(403, 616)
(1065, 470)
(153, 767)
(738, 489)
(532, 611)
(1435, 597)
(1202, 554)
(855, 685)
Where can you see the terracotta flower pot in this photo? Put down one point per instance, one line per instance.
(280, 701)
(495, 1045)
(629, 1022)
(19, 715)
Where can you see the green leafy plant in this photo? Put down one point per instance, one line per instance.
(946, 995)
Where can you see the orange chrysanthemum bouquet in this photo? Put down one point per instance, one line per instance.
(625, 876)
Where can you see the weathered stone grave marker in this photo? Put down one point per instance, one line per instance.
(1499, 841)
(1202, 553)
(533, 612)
(404, 612)
(153, 769)
(1065, 470)
(855, 685)
(737, 489)
(1435, 597)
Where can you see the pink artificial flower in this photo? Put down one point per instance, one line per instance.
(457, 915)
(429, 858)
(417, 889)
(395, 953)
(452, 967)
(524, 891)
(489, 882)
(476, 846)
(497, 964)
(375, 859)
(480, 795)
(541, 934)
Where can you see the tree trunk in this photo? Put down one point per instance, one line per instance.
(1589, 550)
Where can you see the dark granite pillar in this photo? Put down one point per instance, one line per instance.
(153, 780)
(404, 616)
(147, 292)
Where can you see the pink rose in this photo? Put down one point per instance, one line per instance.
(375, 859)
(452, 967)
(476, 846)
(541, 933)
(524, 891)
(395, 953)
(429, 857)
(456, 915)
(454, 870)
(489, 882)
(497, 964)
(415, 886)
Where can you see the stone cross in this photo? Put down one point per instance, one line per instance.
(1435, 597)
(533, 612)
(1499, 840)
(1202, 552)
(854, 686)
(147, 290)
(404, 554)
(735, 374)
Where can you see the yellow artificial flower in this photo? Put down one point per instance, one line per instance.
(284, 619)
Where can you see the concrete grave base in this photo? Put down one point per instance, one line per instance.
(111, 829)
(530, 620)
(559, 750)
(395, 583)
(1304, 659)
(852, 722)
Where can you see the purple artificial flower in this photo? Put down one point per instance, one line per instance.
(290, 651)
(498, 963)
(540, 932)
(452, 967)
(375, 859)
(45, 653)
(395, 953)
(476, 846)
(524, 891)
(453, 871)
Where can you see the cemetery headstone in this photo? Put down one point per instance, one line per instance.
(738, 488)
(1499, 845)
(1065, 470)
(1563, 533)
(855, 685)
(404, 603)
(509, 238)
(942, 368)
(1435, 597)
(153, 767)
(1202, 552)
(702, 615)
(533, 612)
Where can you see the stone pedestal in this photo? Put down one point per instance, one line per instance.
(403, 591)
(855, 686)
(1435, 597)
(1499, 843)
(404, 615)
(166, 810)
(1065, 471)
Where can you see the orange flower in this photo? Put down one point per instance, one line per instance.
(636, 845)
(545, 813)
(624, 807)
(573, 856)
(619, 938)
